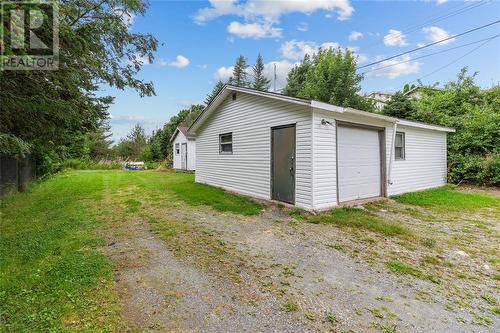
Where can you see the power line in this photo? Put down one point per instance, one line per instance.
(431, 54)
(431, 44)
(445, 16)
(454, 12)
(454, 61)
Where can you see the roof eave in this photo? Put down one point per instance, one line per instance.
(311, 103)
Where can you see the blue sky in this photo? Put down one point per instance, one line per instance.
(200, 40)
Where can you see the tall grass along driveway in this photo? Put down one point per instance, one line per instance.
(153, 251)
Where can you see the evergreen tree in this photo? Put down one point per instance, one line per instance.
(132, 146)
(99, 142)
(214, 92)
(260, 81)
(297, 77)
(399, 106)
(240, 76)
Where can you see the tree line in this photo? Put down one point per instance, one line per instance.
(57, 115)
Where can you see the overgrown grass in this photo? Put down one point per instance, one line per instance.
(448, 198)
(52, 276)
(77, 164)
(399, 267)
(358, 218)
(201, 194)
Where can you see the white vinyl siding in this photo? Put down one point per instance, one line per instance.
(248, 169)
(324, 161)
(191, 158)
(424, 165)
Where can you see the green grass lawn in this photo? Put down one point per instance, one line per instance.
(448, 198)
(53, 275)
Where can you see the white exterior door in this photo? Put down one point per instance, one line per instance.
(358, 163)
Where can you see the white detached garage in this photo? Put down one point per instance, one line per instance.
(312, 154)
(184, 149)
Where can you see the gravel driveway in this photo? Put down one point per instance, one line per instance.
(192, 269)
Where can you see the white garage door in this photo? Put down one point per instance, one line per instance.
(358, 163)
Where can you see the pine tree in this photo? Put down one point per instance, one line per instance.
(297, 77)
(239, 77)
(260, 81)
(214, 92)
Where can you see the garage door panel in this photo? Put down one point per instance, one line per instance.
(358, 163)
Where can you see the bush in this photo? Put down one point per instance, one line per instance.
(473, 154)
(78, 164)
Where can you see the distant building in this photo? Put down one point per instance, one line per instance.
(382, 98)
(184, 146)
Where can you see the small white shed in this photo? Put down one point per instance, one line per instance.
(312, 154)
(184, 149)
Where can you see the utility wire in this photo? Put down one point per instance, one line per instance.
(431, 44)
(431, 54)
(454, 61)
(454, 12)
(445, 16)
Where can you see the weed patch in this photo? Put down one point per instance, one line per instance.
(290, 305)
(357, 218)
(404, 269)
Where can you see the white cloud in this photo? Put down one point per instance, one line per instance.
(224, 73)
(270, 11)
(361, 58)
(261, 16)
(396, 69)
(253, 30)
(162, 62)
(395, 38)
(303, 27)
(355, 35)
(434, 34)
(179, 62)
(282, 69)
(440, 2)
(296, 49)
(126, 118)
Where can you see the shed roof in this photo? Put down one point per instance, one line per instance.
(183, 130)
(227, 89)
